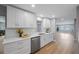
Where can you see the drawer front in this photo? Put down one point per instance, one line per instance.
(23, 43)
(10, 47)
(42, 39)
(17, 50)
(12, 44)
(23, 51)
(16, 46)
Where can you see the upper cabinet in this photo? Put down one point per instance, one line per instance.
(46, 23)
(17, 18)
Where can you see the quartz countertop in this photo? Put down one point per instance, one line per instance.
(12, 40)
(9, 40)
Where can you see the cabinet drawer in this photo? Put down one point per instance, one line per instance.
(20, 49)
(23, 42)
(9, 47)
(23, 51)
(14, 47)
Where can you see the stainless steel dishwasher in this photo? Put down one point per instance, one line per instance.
(35, 44)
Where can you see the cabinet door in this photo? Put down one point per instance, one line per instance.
(10, 47)
(46, 23)
(33, 21)
(42, 40)
(51, 37)
(17, 18)
(11, 17)
(47, 38)
(14, 17)
(29, 20)
(24, 46)
(18, 47)
(25, 19)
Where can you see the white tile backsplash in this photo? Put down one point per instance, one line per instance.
(11, 32)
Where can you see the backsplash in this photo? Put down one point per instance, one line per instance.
(11, 32)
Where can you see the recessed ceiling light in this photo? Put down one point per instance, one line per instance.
(33, 5)
(39, 18)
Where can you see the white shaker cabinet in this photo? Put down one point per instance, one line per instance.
(45, 24)
(29, 20)
(17, 18)
(49, 37)
(14, 18)
(18, 47)
(11, 17)
(42, 40)
(45, 39)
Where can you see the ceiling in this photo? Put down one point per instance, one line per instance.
(48, 10)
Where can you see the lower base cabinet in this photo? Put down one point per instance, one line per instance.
(42, 40)
(24, 46)
(45, 39)
(18, 47)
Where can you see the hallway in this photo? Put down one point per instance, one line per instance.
(64, 44)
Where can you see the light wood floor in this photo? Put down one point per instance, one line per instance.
(64, 44)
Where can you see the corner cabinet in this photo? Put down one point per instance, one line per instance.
(17, 18)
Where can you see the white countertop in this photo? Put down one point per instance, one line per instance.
(9, 40)
(12, 40)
